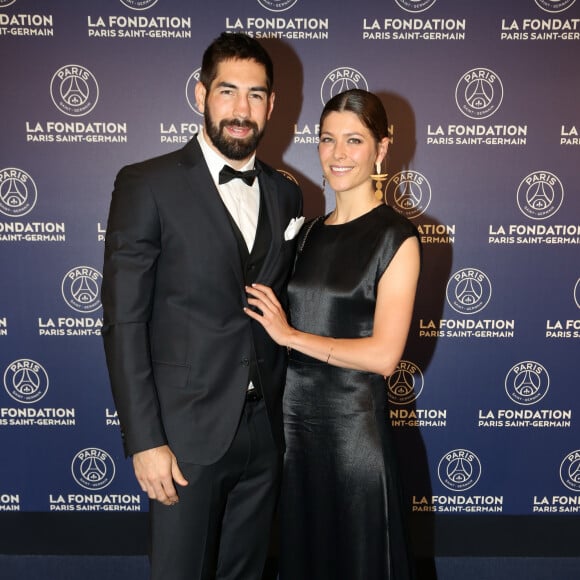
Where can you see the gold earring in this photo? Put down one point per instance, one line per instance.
(379, 178)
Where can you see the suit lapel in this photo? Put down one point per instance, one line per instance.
(205, 192)
(269, 195)
(203, 187)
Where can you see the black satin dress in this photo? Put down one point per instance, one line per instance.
(340, 511)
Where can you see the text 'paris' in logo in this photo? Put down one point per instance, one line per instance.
(339, 80)
(570, 470)
(18, 193)
(277, 5)
(93, 468)
(479, 93)
(415, 5)
(409, 192)
(554, 5)
(468, 291)
(74, 90)
(459, 470)
(527, 382)
(139, 4)
(190, 91)
(80, 288)
(26, 381)
(540, 195)
(405, 384)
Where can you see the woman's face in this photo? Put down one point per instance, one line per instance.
(348, 152)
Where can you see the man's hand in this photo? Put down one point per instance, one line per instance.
(156, 469)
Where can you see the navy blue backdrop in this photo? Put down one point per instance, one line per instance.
(483, 101)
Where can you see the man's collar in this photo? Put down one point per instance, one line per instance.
(214, 161)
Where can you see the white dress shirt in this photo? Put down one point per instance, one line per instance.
(240, 199)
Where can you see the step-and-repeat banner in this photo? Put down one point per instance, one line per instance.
(483, 99)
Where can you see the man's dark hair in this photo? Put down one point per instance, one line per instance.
(234, 46)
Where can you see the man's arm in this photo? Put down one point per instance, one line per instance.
(132, 246)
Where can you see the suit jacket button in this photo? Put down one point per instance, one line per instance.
(245, 362)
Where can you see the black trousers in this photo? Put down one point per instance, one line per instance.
(220, 529)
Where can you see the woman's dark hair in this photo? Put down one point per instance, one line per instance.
(366, 106)
(232, 46)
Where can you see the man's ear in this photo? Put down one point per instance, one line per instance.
(200, 92)
(271, 100)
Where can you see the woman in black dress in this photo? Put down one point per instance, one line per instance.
(351, 301)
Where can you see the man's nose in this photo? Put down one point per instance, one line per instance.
(242, 107)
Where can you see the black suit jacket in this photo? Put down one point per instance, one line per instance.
(178, 344)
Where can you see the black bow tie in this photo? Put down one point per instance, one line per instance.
(228, 173)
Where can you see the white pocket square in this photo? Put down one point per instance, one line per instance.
(293, 228)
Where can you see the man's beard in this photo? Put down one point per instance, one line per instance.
(235, 149)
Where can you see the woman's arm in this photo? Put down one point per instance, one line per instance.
(379, 353)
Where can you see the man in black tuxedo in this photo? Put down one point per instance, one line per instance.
(196, 382)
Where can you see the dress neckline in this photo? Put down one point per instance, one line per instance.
(352, 220)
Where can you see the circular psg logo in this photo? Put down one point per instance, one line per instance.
(570, 470)
(459, 470)
(277, 5)
(540, 195)
(18, 193)
(405, 384)
(468, 291)
(26, 381)
(577, 293)
(5, 3)
(190, 91)
(409, 192)
(80, 289)
(555, 5)
(527, 382)
(288, 175)
(479, 93)
(93, 468)
(415, 5)
(339, 80)
(139, 4)
(74, 90)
